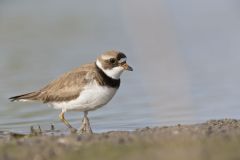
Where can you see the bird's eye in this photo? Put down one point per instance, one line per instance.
(112, 60)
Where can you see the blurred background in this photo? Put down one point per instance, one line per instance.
(185, 55)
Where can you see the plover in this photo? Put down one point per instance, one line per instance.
(84, 89)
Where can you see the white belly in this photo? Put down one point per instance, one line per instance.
(91, 98)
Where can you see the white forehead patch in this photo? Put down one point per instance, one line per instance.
(122, 60)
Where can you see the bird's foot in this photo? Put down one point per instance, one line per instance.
(85, 127)
(85, 130)
(73, 130)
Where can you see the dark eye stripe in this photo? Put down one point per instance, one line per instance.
(112, 60)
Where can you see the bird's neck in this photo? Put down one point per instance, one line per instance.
(104, 79)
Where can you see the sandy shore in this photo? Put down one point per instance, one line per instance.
(215, 139)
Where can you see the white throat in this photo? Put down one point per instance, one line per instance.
(114, 73)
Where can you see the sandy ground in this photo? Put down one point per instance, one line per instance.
(215, 139)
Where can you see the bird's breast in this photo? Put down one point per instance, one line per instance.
(91, 97)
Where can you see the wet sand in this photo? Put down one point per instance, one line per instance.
(215, 139)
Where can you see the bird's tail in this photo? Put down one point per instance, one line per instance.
(33, 96)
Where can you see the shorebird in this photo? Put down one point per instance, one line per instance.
(83, 89)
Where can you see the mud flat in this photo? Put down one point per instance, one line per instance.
(215, 139)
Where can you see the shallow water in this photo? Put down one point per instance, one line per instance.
(185, 59)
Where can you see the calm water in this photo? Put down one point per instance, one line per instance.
(185, 57)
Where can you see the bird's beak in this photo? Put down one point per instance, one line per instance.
(127, 67)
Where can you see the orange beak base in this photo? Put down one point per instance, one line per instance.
(127, 67)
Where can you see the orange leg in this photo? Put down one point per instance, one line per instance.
(72, 129)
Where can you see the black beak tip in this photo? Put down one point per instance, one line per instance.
(130, 68)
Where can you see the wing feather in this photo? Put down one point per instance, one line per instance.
(67, 87)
